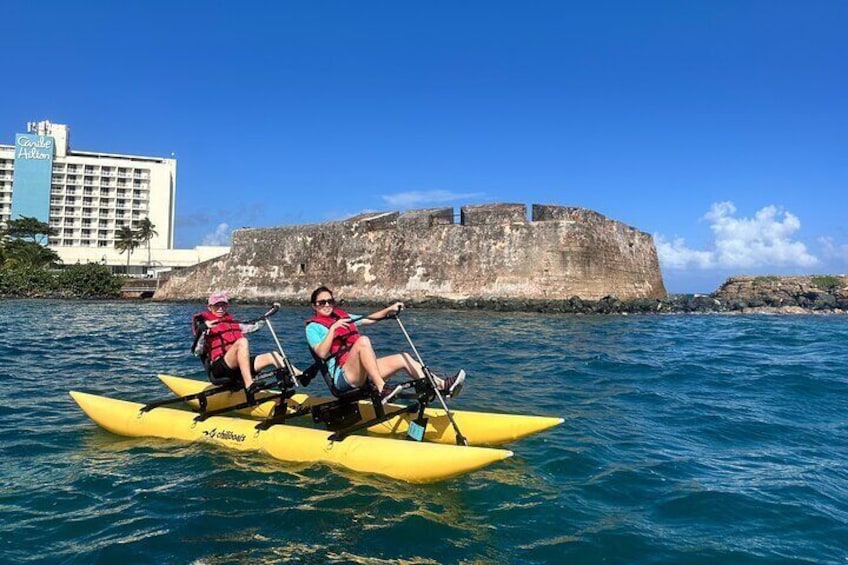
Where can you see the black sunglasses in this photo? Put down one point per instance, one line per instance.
(330, 301)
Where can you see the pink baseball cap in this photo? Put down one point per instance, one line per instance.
(217, 298)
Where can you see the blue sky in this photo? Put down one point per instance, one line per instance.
(719, 127)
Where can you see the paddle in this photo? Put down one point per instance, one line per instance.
(306, 376)
(460, 439)
(289, 367)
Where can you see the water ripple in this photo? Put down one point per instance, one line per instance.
(686, 439)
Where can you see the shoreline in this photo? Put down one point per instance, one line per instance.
(671, 305)
(808, 294)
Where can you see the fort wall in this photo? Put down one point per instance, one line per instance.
(494, 251)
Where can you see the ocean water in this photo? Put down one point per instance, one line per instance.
(687, 439)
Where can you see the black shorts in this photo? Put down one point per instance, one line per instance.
(221, 373)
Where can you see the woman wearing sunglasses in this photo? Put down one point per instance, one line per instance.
(334, 336)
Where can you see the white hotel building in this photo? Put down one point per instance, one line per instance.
(88, 197)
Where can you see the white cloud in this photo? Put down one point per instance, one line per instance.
(741, 243)
(675, 255)
(221, 236)
(415, 198)
(833, 250)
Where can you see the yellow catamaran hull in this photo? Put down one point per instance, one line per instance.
(479, 428)
(408, 461)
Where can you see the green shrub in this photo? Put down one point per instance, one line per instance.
(27, 281)
(827, 282)
(89, 280)
(81, 281)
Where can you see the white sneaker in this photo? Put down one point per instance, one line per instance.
(389, 392)
(453, 385)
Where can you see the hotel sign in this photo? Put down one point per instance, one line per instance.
(35, 147)
(33, 175)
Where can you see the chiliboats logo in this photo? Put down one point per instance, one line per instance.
(224, 435)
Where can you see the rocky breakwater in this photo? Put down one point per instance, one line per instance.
(493, 253)
(787, 294)
(825, 294)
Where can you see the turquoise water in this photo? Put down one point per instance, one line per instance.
(688, 439)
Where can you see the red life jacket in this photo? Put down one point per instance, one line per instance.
(343, 339)
(221, 336)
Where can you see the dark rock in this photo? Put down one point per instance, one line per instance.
(824, 302)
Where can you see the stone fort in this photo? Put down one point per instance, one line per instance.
(494, 251)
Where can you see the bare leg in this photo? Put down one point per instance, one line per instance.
(362, 364)
(238, 356)
(391, 364)
(266, 360)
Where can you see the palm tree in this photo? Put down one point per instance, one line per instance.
(125, 240)
(144, 233)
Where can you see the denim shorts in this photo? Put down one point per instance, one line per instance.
(340, 382)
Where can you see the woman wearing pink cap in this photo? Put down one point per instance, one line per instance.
(226, 353)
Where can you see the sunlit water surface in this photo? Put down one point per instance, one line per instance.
(687, 439)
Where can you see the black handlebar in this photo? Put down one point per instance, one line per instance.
(275, 307)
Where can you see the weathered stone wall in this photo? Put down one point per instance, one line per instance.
(494, 252)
